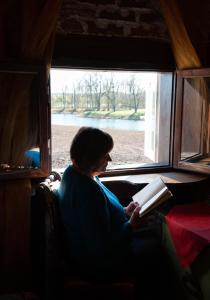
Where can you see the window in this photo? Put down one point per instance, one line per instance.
(192, 133)
(134, 107)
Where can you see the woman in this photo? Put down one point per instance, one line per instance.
(99, 230)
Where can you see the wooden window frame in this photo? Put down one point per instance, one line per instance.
(177, 162)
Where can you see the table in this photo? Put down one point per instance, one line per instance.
(192, 269)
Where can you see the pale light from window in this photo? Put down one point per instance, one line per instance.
(134, 107)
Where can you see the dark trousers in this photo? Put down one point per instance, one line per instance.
(145, 262)
(150, 266)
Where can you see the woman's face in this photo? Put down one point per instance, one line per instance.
(102, 164)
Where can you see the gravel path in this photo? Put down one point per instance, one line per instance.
(128, 147)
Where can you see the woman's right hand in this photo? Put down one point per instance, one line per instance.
(135, 220)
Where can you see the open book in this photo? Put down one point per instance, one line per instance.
(152, 196)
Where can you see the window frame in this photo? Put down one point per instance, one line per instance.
(178, 163)
(133, 170)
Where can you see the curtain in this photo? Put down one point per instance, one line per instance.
(27, 29)
(184, 53)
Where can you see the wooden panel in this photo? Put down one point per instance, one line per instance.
(14, 234)
(178, 122)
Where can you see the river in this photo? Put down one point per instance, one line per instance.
(69, 119)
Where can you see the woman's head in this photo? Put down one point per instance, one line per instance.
(90, 149)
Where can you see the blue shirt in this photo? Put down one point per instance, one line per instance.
(95, 222)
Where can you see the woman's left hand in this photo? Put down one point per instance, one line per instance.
(130, 208)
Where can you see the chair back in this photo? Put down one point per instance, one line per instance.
(49, 253)
(47, 242)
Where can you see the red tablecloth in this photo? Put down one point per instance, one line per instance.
(189, 226)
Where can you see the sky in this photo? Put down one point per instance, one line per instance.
(62, 78)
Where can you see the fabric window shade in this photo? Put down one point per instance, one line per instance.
(184, 53)
(27, 32)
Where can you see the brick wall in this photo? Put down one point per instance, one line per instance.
(121, 18)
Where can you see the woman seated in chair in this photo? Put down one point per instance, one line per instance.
(104, 239)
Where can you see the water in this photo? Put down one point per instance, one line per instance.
(69, 119)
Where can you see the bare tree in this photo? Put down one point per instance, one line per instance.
(64, 97)
(88, 86)
(111, 92)
(99, 90)
(74, 98)
(136, 93)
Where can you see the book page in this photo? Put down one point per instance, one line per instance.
(159, 198)
(149, 191)
(155, 204)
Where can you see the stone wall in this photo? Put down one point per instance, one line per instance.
(112, 18)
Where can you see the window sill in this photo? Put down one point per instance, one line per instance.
(168, 177)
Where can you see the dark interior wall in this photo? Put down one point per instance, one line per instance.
(84, 25)
(112, 52)
(15, 271)
(112, 34)
(196, 16)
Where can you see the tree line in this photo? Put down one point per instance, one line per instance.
(98, 92)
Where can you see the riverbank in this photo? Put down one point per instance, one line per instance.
(104, 114)
(78, 121)
(129, 145)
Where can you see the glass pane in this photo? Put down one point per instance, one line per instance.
(134, 107)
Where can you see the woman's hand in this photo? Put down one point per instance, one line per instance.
(137, 222)
(130, 208)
